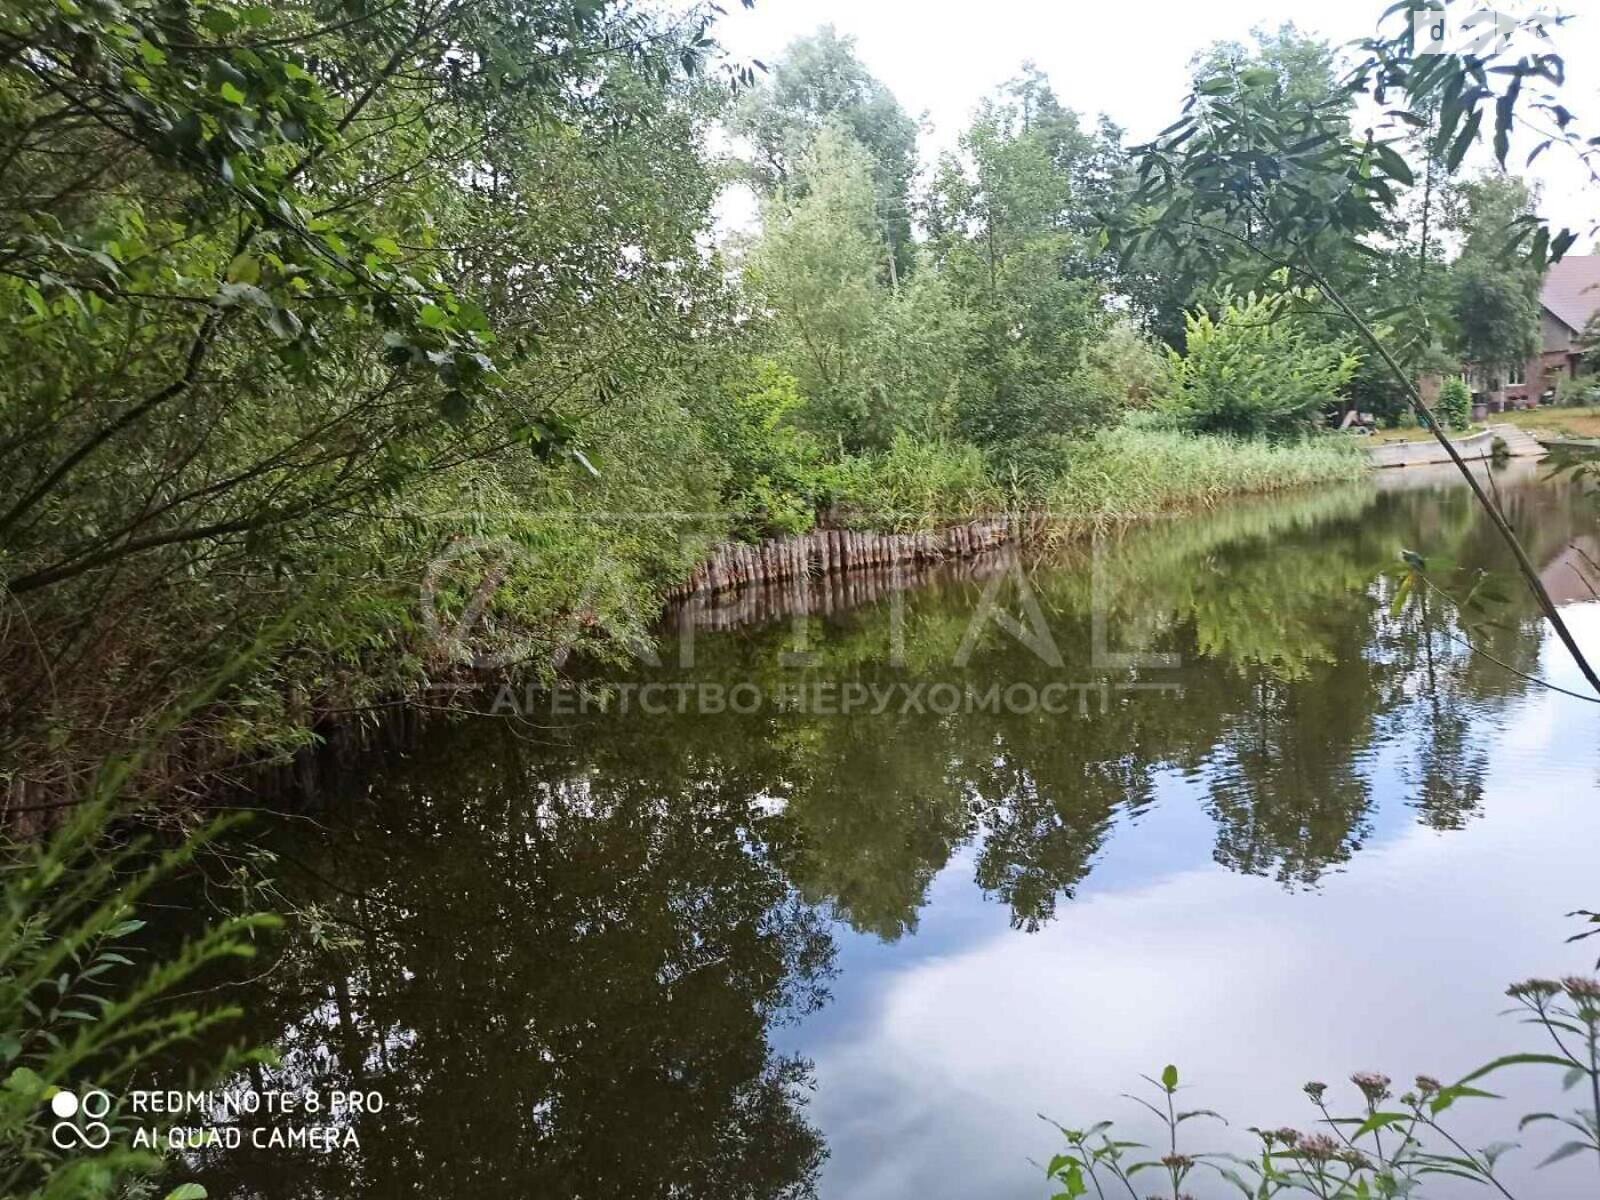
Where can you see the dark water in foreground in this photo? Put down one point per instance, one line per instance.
(1228, 810)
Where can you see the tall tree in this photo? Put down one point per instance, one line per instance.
(1495, 298)
(819, 81)
(1002, 225)
(871, 358)
(1297, 69)
(814, 271)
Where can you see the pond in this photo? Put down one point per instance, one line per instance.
(852, 897)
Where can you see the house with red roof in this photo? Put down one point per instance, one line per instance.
(1569, 299)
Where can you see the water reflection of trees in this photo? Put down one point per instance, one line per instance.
(1296, 674)
(560, 976)
(565, 955)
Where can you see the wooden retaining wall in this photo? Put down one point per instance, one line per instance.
(825, 552)
(822, 595)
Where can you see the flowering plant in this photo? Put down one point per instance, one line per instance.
(1385, 1148)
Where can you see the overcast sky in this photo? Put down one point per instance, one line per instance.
(1128, 60)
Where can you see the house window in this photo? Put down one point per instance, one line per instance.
(1516, 374)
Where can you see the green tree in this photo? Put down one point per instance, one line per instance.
(814, 272)
(274, 282)
(1165, 280)
(1303, 66)
(820, 81)
(872, 359)
(1495, 298)
(1002, 234)
(1254, 371)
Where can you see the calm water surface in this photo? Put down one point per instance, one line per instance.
(1264, 828)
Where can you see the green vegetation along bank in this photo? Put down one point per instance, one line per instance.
(331, 342)
(305, 318)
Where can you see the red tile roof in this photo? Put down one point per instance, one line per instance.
(1572, 289)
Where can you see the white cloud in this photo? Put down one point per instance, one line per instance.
(1398, 963)
(1128, 61)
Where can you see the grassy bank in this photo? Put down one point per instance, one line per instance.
(1120, 474)
(1561, 422)
(1127, 473)
(516, 575)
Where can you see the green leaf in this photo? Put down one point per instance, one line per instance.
(1514, 1060)
(1566, 1151)
(231, 94)
(244, 269)
(1464, 139)
(186, 1191)
(1394, 166)
(219, 21)
(470, 316)
(1457, 1091)
(1378, 1120)
(24, 1082)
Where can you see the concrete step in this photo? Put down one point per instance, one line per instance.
(1519, 441)
(1473, 446)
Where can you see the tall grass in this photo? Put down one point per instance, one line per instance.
(912, 485)
(77, 1014)
(1126, 473)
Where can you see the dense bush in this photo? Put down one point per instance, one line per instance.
(770, 464)
(1129, 368)
(1253, 371)
(1455, 403)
